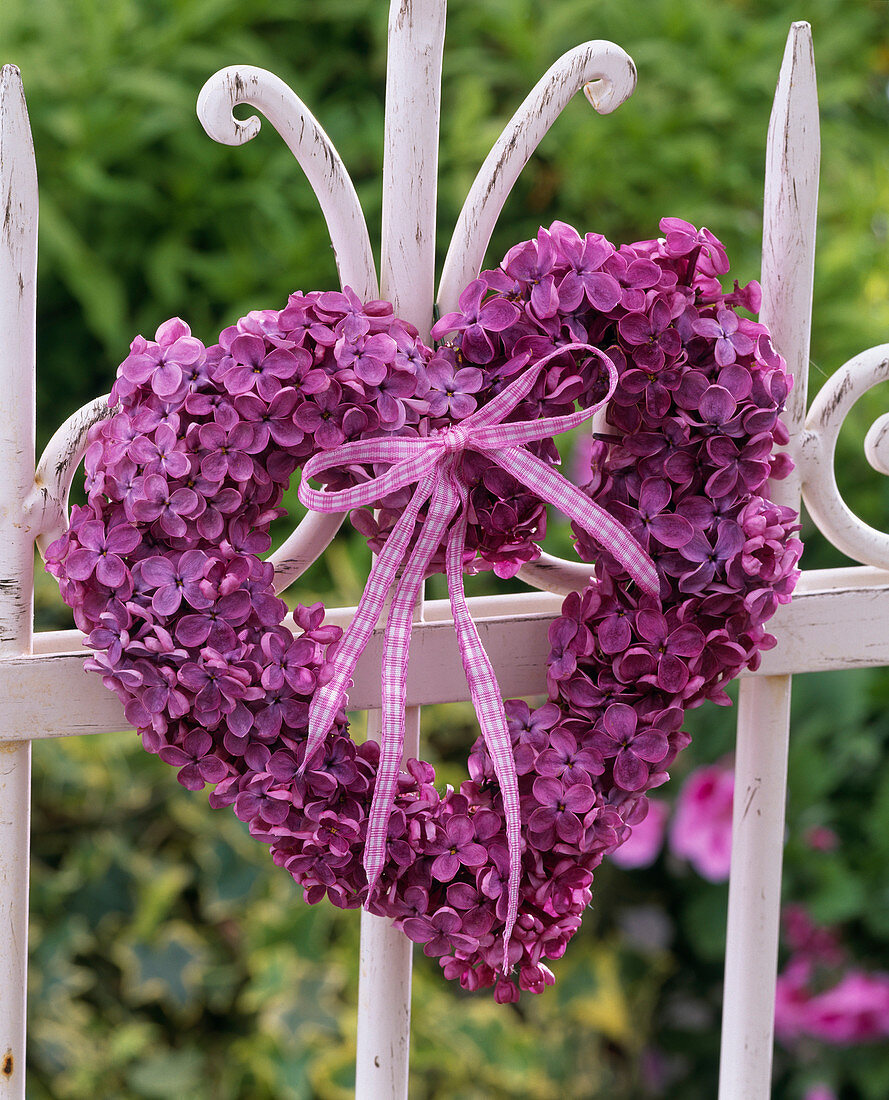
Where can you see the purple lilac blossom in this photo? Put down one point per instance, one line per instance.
(162, 571)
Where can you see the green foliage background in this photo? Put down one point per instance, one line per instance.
(169, 958)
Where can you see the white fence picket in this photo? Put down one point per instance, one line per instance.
(18, 277)
(754, 908)
(407, 274)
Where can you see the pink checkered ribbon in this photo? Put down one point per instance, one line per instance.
(432, 464)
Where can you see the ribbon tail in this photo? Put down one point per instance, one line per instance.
(399, 626)
(605, 529)
(329, 697)
(488, 704)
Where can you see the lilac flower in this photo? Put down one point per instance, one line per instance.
(226, 453)
(657, 387)
(667, 651)
(287, 660)
(254, 367)
(532, 263)
(476, 317)
(160, 454)
(111, 635)
(389, 397)
(101, 553)
(632, 749)
(195, 760)
(167, 506)
(651, 337)
(730, 343)
(450, 390)
(163, 362)
(737, 469)
(210, 520)
(683, 239)
(212, 623)
(301, 322)
(436, 932)
(368, 356)
(323, 417)
(119, 435)
(165, 697)
(586, 279)
(217, 682)
(708, 558)
(559, 804)
(271, 420)
(565, 761)
(456, 848)
(277, 710)
(649, 518)
(263, 800)
(335, 834)
(175, 580)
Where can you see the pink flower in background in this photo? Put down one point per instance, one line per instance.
(814, 998)
(807, 939)
(820, 1092)
(792, 998)
(856, 1010)
(643, 845)
(821, 839)
(702, 824)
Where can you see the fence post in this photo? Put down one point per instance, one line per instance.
(18, 274)
(410, 177)
(789, 209)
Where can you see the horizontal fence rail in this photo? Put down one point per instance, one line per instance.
(838, 619)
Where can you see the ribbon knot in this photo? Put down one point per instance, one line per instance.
(455, 439)
(428, 463)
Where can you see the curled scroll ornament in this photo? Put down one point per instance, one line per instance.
(817, 454)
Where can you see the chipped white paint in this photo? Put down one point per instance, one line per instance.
(47, 502)
(314, 152)
(789, 214)
(18, 276)
(838, 618)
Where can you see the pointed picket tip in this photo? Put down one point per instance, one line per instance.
(15, 127)
(793, 156)
(18, 179)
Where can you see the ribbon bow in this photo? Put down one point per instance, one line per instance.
(432, 463)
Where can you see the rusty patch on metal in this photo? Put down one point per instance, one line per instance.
(8, 1064)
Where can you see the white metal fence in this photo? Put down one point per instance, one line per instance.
(838, 618)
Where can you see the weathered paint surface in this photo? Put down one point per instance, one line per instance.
(790, 203)
(18, 274)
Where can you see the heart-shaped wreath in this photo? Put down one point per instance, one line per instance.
(691, 558)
